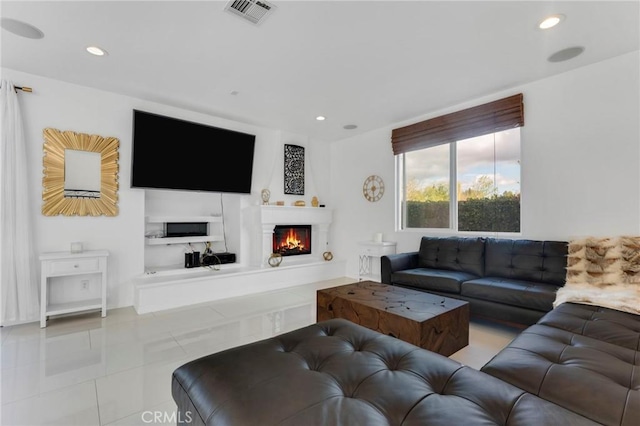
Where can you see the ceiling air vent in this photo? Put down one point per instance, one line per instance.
(252, 10)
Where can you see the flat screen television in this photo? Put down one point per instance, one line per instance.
(169, 153)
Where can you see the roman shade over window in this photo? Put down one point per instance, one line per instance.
(480, 120)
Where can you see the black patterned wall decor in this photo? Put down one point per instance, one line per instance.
(293, 169)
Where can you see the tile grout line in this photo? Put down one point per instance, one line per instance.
(95, 386)
(179, 345)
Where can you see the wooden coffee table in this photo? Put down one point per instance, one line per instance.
(439, 324)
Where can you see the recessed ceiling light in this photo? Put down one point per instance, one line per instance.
(349, 126)
(20, 28)
(566, 54)
(95, 50)
(550, 21)
(321, 118)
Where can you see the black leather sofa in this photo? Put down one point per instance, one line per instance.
(582, 357)
(578, 366)
(502, 279)
(337, 373)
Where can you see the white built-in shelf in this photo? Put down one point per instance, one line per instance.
(163, 219)
(183, 240)
(159, 241)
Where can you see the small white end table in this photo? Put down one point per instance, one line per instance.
(370, 253)
(62, 264)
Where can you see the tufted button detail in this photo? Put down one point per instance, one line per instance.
(286, 348)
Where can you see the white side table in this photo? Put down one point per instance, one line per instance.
(370, 253)
(61, 264)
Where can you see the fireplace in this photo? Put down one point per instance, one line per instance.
(292, 240)
(266, 218)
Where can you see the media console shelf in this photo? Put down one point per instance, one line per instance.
(155, 226)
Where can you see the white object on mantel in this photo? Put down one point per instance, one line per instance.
(377, 237)
(76, 247)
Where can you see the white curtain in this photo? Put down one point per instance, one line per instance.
(18, 268)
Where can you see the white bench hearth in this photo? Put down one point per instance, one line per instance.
(166, 290)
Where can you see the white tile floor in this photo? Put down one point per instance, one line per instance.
(88, 370)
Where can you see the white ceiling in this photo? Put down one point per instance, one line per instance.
(370, 63)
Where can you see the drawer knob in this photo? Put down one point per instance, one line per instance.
(75, 266)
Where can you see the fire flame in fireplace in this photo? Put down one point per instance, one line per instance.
(289, 241)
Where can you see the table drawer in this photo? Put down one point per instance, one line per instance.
(73, 266)
(377, 250)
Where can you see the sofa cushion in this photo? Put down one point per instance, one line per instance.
(608, 325)
(525, 294)
(590, 377)
(432, 279)
(453, 254)
(538, 261)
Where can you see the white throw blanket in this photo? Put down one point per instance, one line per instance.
(603, 272)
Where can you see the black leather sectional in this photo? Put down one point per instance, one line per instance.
(582, 357)
(337, 373)
(578, 366)
(503, 279)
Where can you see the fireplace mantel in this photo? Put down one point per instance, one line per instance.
(265, 218)
(285, 215)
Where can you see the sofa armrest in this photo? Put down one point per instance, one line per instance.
(397, 262)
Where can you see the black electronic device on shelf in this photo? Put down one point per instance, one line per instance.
(192, 259)
(218, 258)
(185, 229)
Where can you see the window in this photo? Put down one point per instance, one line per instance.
(468, 185)
(462, 171)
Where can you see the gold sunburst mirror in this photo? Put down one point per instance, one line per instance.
(80, 174)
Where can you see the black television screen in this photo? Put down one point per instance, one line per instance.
(170, 153)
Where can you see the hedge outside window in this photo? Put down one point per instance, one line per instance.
(465, 184)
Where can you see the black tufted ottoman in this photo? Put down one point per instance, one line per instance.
(340, 373)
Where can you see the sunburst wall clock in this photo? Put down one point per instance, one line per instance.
(373, 188)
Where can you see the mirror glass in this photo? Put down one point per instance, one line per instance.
(81, 173)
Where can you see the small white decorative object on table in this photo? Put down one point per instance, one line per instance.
(63, 264)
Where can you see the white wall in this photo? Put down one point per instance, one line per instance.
(580, 162)
(580, 167)
(71, 107)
